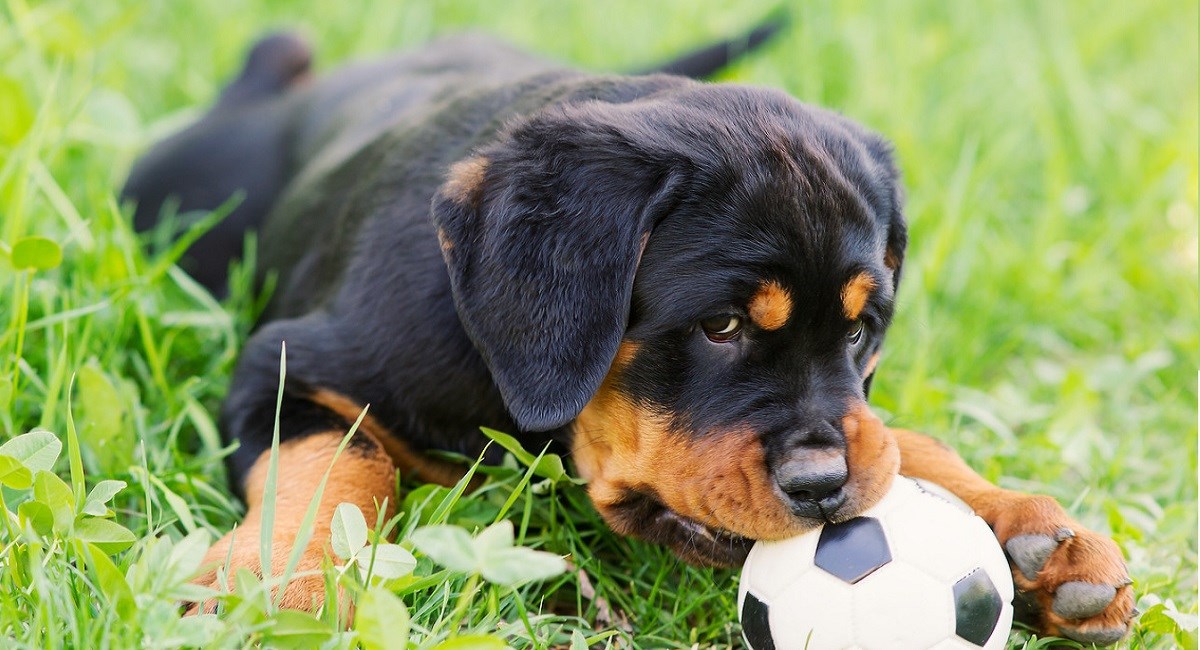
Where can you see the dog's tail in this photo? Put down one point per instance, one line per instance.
(276, 62)
(708, 60)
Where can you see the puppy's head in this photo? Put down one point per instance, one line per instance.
(695, 285)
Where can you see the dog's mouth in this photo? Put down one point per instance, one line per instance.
(641, 513)
(708, 545)
(644, 516)
(708, 498)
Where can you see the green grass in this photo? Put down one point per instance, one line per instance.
(1047, 323)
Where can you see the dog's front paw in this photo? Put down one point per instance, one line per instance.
(240, 549)
(1071, 582)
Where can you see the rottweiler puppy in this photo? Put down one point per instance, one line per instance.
(685, 284)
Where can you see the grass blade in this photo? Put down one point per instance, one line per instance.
(266, 539)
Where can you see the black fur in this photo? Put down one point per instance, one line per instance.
(609, 208)
(542, 269)
(239, 146)
(706, 61)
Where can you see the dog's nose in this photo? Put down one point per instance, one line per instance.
(812, 474)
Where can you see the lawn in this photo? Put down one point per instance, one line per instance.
(1047, 325)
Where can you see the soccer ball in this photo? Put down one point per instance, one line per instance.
(918, 570)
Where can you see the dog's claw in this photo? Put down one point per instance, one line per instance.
(1100, 636)
(1030, 552)
(1075, 600)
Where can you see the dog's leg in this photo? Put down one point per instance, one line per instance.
(362, 475)
(1074, 579)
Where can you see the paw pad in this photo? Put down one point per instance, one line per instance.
(1030, 552)
(1102, 636)
(1075, 600)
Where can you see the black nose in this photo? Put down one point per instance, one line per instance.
(813, 478)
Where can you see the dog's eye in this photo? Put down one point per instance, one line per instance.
(720, 329)
(855, 333)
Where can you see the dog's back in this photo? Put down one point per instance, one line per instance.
(274, 124)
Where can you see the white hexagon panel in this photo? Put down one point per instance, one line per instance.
(774, 565)
(818, 605)
(948, 555)
(902, 607)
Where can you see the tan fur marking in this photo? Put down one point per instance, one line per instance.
(363, 475)
(872, 459)
(411, 463)
(720, 479)
(464, 184)
(771, 306)
(855, 294)
(625, 354)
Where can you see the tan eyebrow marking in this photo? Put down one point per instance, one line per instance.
(771, 306)
(464, 183)
(855, 294)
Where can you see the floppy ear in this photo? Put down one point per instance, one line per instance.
(542, 234)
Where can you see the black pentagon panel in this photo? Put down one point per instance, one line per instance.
(756, 627)
(977, 607)
(853, 549)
